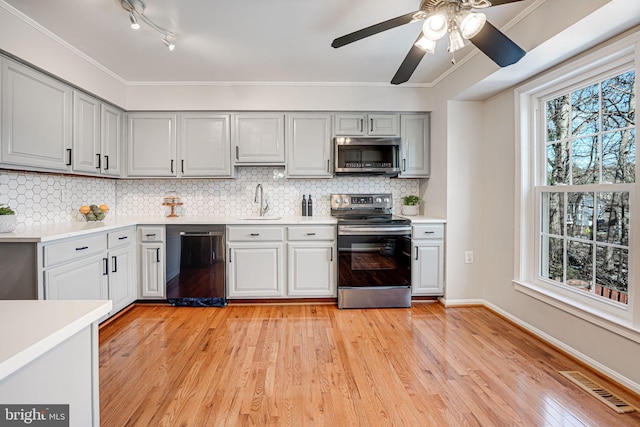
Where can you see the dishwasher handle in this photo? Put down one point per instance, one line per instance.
(200, 233)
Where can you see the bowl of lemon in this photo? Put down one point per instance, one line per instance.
(94, 212)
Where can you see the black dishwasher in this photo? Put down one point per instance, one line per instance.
(196, 265)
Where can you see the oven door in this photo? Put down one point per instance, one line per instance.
(374, 256)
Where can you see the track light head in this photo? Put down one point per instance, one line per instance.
(168, 44)
(134, 21)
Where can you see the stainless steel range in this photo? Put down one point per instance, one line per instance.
(374, 252)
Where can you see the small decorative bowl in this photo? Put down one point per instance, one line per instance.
(95, 213)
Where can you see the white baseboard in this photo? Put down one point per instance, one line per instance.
(604, 370)
(461, 302)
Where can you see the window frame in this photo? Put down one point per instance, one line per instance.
(608, 61)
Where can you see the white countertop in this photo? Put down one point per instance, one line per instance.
(48, 232)
(31, 328)
(421, 219)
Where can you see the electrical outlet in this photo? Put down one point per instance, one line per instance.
(468, 257)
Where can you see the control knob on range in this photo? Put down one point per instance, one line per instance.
(378, 199)
(345, 200)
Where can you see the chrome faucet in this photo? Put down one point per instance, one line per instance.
(264, 206)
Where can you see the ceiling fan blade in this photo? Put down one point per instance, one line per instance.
(409, 64)
(374, 29)
(500, 48)
(499, 2)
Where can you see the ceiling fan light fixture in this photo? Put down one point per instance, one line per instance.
(470, 23)
(456, 41)
(435, 26)
(168, 44)
(134, 21)
(426, 44)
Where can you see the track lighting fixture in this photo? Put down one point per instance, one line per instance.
(136, 14)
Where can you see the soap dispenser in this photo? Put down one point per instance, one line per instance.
(310, 207)
(304, 205)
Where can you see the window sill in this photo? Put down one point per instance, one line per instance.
(618, 326)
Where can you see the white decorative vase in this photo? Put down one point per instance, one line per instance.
(8, 223)
(410, 210)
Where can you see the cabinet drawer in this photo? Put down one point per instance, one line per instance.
(311, 233)
(246, 234)
(69, 250)
(120, 237)
(428, 231)
(151, 234)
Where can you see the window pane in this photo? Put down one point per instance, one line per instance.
(553, 213)
(558, 118)
(613, 218)
(619, 156)
(618, 102)
(552, 256)
(558, 163)
(612, 273)
(584, 110)
(579, 264)
(584, 152)
(580, 215)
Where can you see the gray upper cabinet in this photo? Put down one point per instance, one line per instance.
(36, 119)
(151, 148)
(86, 133)
(309, 145)
(258, 138)
(415, 149)
(362, 124)
(205, 145)
(111, 140)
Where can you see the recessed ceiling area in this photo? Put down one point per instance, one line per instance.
(249, 40)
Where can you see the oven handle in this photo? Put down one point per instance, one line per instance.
(349, 230)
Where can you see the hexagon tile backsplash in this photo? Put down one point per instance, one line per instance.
(43, 198)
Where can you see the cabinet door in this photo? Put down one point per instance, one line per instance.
(205, 145)
(152, 270)
(151, 144)
(258, 138)
(427, 268)
(416, 156)
(111, 136)
(311, 269)
(86, 134)
(36, 119)
(82, 280)
(350, 124)
(309, 145)
(255, 270)
(122, 282)
(382, 125)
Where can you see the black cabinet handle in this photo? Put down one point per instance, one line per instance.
(106, 266)
(328, 165)
(171, 165)
(106, 162)
(123, 238)
(404, 165)
(331, 257)
(150, 235)
(416, 253)
(114, 261)
(69, 156)
(429, 232)
(311, 234)
(99, 166)
(237, 153)
(157, 254)
(361, 125)
(371, 127)
(255, 234)
(230, 260)
(182, 166)
(82, 248)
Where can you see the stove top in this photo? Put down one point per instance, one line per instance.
(369, 209)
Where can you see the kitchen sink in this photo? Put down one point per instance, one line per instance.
(256, 217)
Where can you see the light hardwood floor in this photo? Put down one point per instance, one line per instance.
(315, 365)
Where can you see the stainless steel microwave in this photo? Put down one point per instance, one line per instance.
(366, 156)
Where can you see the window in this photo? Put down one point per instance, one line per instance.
(590, 151)
(578, 235)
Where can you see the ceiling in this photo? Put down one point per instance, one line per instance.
(249, 40)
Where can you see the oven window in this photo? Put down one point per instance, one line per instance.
(374, 260)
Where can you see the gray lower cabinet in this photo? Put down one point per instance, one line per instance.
(36, 119)
(427, 265)
(151, 266)
(95, 266)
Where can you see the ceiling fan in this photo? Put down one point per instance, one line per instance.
(453, 17)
